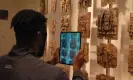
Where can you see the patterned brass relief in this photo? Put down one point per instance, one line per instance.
(44, 6)
(53, 27)
(53, 47)
(65, 23)
(104, 77)
(130, 60)
(65, 5)
(84, 3)
(86, 51)
(107, 55)
(105, 2)
(84, 24)
(108, 24)
(130, 27)
(53, 8)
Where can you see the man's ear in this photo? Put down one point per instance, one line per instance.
(38, 36)
(39, 33)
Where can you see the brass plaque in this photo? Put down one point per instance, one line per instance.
(65, 5)
(108, 24)
(130, 27)
(53, 27)
(65, 23)
(53, 47)
(54, 4)
(107, 55)
(84, 24)
(105, 2)
(44, 6)
(104, 77)
(130, 60)
(84, 3)
(86, 51)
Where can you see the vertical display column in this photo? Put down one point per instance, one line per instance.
(74, 15)
(74, 24)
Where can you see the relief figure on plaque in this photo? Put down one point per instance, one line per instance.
(65, 5)
(84, 24)
(65, 23)
(73, 43)
(54, 3)
(53, 27)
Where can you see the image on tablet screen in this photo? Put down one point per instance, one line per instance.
(69, 46)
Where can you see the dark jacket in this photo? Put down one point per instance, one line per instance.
(20, 64)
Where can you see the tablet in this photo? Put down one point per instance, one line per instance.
(70, 44)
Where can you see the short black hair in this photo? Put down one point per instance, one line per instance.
(27, 23)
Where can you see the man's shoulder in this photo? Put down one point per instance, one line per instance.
(46, 70)
(48, 67)
(4, 58)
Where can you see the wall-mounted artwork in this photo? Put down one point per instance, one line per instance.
(65, 23)
(86, 51)
(53, 27)
(84, 24)
(53, 47)
(54, 4)
(108, 24)
(84, 3)
(3, 14)
(104, 77)
(65, 5)
(130, 60)
(107, 55)
(44, 6)
(130, 27)
(105, 2)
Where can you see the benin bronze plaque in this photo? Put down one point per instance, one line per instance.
(54, 3)
(65, 23)
(130, 60)
(84, 24)
(65, 5)
(44, 6)
(105, 2)
(130, 27)
(84, 3)
(53, 27)
(108, 24)
(104, 77)
(107, 55)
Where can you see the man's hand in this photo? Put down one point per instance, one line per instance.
(55, 59)
(79, 60)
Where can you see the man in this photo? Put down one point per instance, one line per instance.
(23, 61)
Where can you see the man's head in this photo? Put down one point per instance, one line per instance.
(30, 30)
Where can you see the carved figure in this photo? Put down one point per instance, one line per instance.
(107, 55)
(84, 24)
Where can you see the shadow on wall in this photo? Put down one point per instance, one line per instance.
(122, 6)
(125, 36)
(94, 37)
(96, 10)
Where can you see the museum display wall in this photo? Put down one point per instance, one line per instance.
(107, 34)
(122, 69)
(106, 27)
